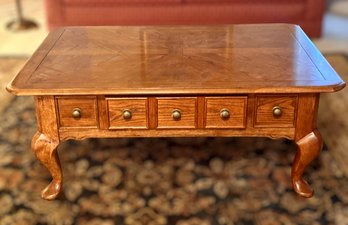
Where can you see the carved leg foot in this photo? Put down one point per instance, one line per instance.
(308, 148)
(45, 150)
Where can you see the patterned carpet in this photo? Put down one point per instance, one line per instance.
(181, 181)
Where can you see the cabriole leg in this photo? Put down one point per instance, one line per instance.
(308, 148)
(45, 150)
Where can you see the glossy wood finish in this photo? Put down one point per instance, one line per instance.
(149, 72)
(172, 128)
(46, 116)
(137, 108)
(236, 106)
(45, 142)
(152, 112)
(264, 111)
(87, 107)
(176, 60)
(82, 133)
(308, 140)
(187, 108)
(45, 150)
(308, 148)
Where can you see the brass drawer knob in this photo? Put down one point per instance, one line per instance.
(127, 114)
(176, 114)
(76, 113)
(277, 111)
(224, 114)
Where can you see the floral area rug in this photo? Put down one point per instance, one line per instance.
(181, 181)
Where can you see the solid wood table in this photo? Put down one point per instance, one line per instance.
(177, 81)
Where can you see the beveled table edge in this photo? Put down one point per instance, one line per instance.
(136, 92)
(333, 84)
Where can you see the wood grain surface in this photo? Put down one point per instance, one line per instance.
(264, 111)
(150, 72)
(308, 149)
(236, 107)
(88, 107)
(176, 60)
(187, 107)
(45, 142)
(136, 106)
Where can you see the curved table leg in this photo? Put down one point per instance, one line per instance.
(308, 148)
(45, 150)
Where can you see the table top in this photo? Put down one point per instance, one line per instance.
(138, 60)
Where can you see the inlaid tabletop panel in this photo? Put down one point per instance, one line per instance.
(136, 60)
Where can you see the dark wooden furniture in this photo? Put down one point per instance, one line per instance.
(177, 81)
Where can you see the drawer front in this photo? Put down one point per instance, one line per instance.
(225, 112)
(77, 111)
(275, 111)
(127, 113)
(176, 112)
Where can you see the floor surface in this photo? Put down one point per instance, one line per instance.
(24, 43)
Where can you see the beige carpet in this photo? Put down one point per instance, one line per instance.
(339, 7)
(25, 42)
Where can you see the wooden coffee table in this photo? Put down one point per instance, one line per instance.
(177, 81)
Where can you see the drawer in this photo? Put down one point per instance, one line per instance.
(127, 113)
(176, 112)
(77, 111)
(225, 112)
(275, 111)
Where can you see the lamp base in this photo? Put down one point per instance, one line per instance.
(23, 24)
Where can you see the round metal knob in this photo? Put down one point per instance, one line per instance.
(277, 111)
(127, 114)
(224, 114)
(76, 113)
(176, 114)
